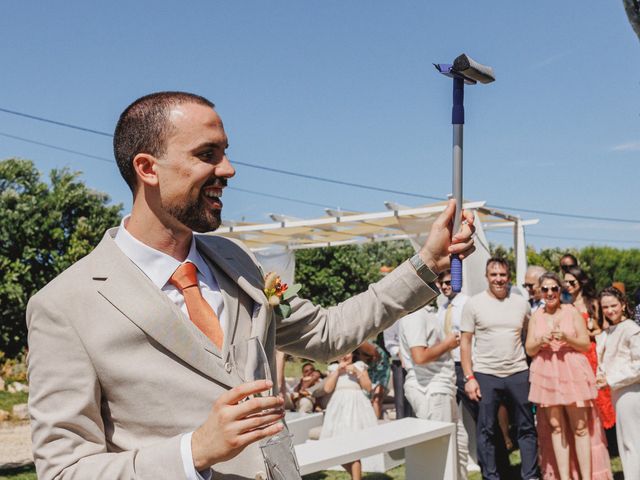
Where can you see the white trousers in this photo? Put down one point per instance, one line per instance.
(441, 407)
(626, 401)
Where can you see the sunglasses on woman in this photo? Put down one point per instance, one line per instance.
(554, 289)
(573, 283)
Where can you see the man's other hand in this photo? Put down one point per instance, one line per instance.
(233, 424)
(440, 244)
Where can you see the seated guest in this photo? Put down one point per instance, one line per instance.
(621, 371)
(563, 388)
(430, 385)
(349, 409)
(309, 390)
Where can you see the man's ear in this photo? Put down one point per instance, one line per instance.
(145, 166)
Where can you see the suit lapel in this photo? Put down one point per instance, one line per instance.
(225, 260)
(136, 297)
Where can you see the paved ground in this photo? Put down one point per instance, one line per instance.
(15, 445)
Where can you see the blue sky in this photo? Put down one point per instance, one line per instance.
(346, 90)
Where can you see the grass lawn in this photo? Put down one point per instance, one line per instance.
(28, 473)
(8, 400)
(23, 473)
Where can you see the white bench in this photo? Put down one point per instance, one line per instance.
(429, 448)
(299, 425)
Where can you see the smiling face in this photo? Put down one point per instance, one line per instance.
(572, 284)
(307, 370)
(550, 291)
(498, 278)
(444, 284)
(612, 308)
(194, 169)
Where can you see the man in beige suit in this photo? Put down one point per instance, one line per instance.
(123, 385)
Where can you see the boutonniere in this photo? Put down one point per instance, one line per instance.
(278, 294)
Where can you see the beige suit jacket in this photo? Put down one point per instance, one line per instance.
(118, 374)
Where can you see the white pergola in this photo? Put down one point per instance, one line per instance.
(397, 222)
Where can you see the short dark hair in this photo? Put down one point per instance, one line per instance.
(442, 274)
(571, 256)
(307, 363)
(144, 126)
(500, 261)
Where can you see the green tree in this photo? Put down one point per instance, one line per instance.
(44, 228)
(607, 265)
(331, 275)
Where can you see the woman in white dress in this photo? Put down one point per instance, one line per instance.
(349, 409)
(621, 371)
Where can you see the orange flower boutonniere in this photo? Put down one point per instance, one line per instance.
(278, 293)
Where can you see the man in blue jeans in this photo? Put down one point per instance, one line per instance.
(500, 372)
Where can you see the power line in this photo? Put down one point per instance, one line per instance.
(55, 122)
(279, 197)
(569, 215)
(109, 160)
(55, 147)
(340, 182)
(555, 237)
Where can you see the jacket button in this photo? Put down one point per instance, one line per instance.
(227, 367)
(261, 476)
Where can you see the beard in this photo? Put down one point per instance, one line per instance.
(196, 215)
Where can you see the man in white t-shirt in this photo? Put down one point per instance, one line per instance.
(499, 368)
(430, 384)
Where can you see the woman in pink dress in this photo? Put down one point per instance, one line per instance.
(570, 436)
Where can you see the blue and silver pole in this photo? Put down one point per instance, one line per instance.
(457, 119)
(464, 70)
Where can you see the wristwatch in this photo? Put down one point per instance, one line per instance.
(424, 272)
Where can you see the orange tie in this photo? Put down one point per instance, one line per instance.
(201, 314)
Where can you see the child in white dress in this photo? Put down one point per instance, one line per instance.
(621, 371)
(349, 409)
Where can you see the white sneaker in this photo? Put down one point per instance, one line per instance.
(472, 467)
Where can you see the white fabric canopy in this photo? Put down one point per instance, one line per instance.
(273, 243)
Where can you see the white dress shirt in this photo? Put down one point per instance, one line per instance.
(457, 304)
(159, 267)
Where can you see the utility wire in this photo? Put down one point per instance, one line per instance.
(340, 182)
(105, 159)
(55, 147)
(270, 195)
(555, 237)
(55, 122)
